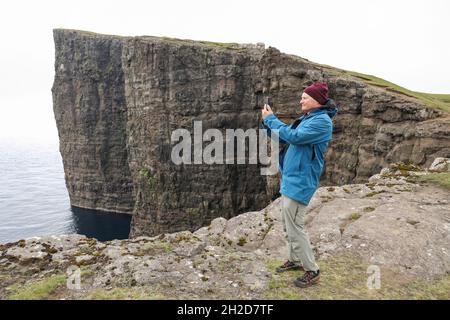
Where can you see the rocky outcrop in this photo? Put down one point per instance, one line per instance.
(117, 100)
(395, 222)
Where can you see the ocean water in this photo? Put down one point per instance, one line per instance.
(34, 200)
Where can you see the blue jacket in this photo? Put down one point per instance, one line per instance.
(301, 162)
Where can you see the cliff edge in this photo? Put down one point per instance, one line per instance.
(118, 99)
(397, 223)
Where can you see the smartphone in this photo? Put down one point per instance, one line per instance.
(268, 100)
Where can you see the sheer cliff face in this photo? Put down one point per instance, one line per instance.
(117, 101)
(168, 85)
(91, 116)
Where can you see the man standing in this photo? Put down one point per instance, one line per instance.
(301, 165)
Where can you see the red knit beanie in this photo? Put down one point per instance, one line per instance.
(318, 91)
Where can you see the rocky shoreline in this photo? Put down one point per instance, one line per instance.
(399, 221)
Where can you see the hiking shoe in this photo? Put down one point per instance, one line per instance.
(308, 279)
(288, 265)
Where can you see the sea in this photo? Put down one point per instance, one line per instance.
(34, 200)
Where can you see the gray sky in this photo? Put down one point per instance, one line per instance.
(402, 41)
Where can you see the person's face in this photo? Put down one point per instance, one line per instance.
(307, 103)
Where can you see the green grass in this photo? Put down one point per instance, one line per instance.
(440, 178)
(405, 167)
(326, 198)
(229, 45)
(371, 194)
(152, 181)
(435, 101)
(345, 277)
(224, 45)
(242, 241)
(90, 33)
(4, 277)
(355, 216)
(86, 272)
(154, 247)
(38, 290)
(125, 294)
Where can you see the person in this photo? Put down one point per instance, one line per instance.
(301, 163)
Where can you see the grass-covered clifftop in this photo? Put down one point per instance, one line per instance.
(435, 101)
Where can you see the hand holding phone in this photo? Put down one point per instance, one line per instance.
(266, 110)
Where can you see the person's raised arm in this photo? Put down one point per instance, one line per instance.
(316, 131)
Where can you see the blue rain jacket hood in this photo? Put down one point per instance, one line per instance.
(302, 159)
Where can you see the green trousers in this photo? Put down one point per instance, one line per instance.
(300, 251)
